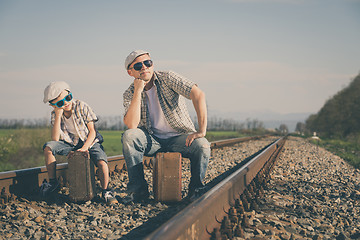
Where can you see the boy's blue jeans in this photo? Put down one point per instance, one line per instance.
(63, 148)
(138, 143)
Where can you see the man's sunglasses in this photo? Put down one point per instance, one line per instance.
(138, 66)
(61, 102)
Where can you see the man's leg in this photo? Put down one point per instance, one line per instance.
(198, 153)
(136, 144)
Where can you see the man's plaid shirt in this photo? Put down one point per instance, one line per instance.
(171, 88)
(82, 115)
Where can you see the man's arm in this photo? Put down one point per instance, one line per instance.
(133, 115)
(198, 98)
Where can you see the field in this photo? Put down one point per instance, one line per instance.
(348, 150)
(22, 148)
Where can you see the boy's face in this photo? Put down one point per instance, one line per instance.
(67, 104)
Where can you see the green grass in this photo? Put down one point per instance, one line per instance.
(347, 150)
(218, 135)
(7, 132)
(112, 142)
(22, 148)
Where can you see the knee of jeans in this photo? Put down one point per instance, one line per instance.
(48, 147)
(47, 150)
(130, 135)
(203, 145)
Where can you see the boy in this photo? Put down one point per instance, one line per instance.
(73, 130)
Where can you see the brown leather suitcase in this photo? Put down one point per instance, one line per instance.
(167, 177)
(81, 177)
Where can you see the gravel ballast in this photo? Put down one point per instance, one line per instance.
(312, 194)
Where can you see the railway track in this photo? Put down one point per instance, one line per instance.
(216, 214)
(26, 182)
(229, 197)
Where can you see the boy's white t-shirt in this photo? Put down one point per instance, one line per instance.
(159, 124)
(70, 126)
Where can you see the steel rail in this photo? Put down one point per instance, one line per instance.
(27, 181)
(199, 219)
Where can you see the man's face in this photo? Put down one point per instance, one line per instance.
(145, 73)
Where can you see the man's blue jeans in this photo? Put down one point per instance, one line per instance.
(138, 143)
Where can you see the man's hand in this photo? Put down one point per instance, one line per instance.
(192, 137)
(139, 84)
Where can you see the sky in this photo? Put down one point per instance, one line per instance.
(281, 56)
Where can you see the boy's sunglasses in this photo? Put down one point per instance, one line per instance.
(138, 66)
(61, 102)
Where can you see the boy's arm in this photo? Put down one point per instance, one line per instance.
(90, 139)
(55, 131)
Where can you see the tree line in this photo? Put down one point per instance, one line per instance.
(117, 123)
(340, 115)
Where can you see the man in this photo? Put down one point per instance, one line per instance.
(158, 120)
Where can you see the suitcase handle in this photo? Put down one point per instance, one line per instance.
(73, 153)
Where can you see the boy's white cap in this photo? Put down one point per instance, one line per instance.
(54, 89)
(132, 56)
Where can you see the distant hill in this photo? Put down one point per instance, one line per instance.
(340, 115)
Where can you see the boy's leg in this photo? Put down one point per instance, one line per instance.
(50, 162)
(198, 153)
(136, 144)
(51, 149)
(103, 174)
(98, 156)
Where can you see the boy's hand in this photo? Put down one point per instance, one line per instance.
(58, 111)
(82, 150)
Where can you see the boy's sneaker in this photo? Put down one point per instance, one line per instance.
(47, 189)
(135, 197)
(196, 193)
(109, 197)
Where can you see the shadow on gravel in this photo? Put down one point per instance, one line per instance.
(154, 223)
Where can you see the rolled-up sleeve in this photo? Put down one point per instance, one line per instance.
(87, 113)
(180, 84)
